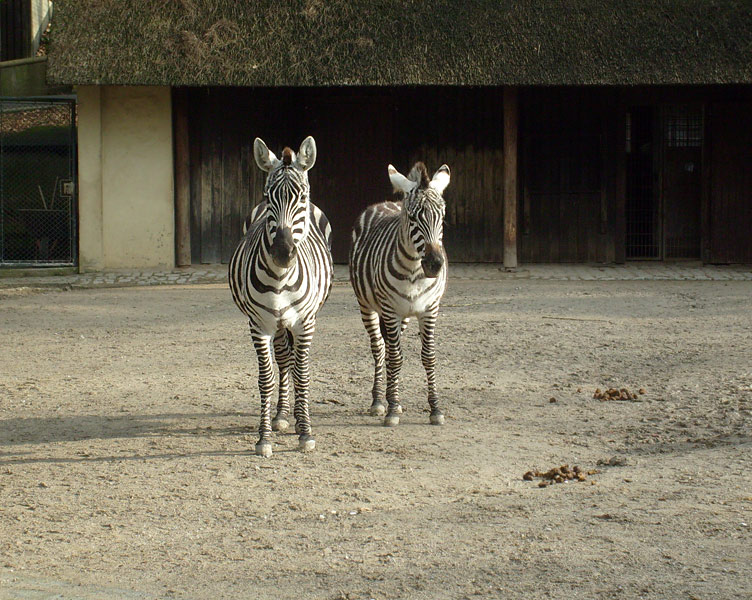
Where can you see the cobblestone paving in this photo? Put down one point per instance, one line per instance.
(565, 272)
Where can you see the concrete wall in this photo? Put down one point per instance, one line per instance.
(24, 77)
(126, 199)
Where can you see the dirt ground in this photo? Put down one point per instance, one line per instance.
(128, 417)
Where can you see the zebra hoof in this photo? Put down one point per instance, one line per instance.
(280, 424)
(306, 443)
(377, 410)
(437, 418)
(264, 449)
(391, 420)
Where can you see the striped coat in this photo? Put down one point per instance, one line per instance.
(398, 270)
(280, 276)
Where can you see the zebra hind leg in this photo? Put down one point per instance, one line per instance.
(284, 356)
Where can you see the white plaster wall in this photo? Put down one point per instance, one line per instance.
(137, 177)
(131, 224)
(41, 10)
(90, 244)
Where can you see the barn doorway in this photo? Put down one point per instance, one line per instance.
(664, 182)
(643, 239)
(681, 181)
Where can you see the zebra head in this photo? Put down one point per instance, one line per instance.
(423, 214)
(287, 194)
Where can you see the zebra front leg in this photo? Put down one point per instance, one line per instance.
(428, 356)
(372, 324)
(284, 356)
(301, 377)
(392, 331)
(262, 344)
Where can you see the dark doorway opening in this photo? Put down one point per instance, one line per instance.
(643, 240)
(664, 182)
(681, 180)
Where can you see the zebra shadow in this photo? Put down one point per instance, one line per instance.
(50, 430)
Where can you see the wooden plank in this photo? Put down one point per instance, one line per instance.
(731, 184)
(194, 145)
(214, 249)
(182, 181)
(497, 217)
(510, 108)
(231, 215)
(209, 183)
(551, 227)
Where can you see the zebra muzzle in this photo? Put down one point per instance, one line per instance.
(432, 261)
(283, 248)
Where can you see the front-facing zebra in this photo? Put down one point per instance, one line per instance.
(398, 269)
(280, 276)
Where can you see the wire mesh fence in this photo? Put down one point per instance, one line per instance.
(37, 182)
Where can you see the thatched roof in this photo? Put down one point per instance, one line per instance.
(393, 42)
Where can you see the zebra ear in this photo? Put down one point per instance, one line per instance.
(400, 183)
(265, 158)
(440, 179)
(307, 154)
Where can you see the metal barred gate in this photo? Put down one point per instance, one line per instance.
(38, 208)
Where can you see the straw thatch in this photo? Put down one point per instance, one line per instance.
(390, 42)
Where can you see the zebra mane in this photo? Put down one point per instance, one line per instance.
(419, 174)
(287, 156)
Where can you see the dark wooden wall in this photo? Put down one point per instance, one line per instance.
(571, 175)
(358, 133)
(567, 204)
(730, 180)
(15, 29)
(462, 128)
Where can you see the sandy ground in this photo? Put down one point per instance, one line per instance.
(128, 416)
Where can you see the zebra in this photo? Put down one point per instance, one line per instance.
(280, 275)
(398, 270)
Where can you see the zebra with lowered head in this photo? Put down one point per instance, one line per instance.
(280, 276)
(398, 269)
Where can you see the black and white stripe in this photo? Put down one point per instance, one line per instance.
(398, 269)
(280, 276)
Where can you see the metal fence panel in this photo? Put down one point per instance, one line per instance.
(38, 208)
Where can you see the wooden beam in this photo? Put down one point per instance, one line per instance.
(182, 181)
(510, 177)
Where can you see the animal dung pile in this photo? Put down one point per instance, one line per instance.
(560, 474)
(613, 394)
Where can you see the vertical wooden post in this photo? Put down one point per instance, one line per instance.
(182, 181)
(510, 177)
